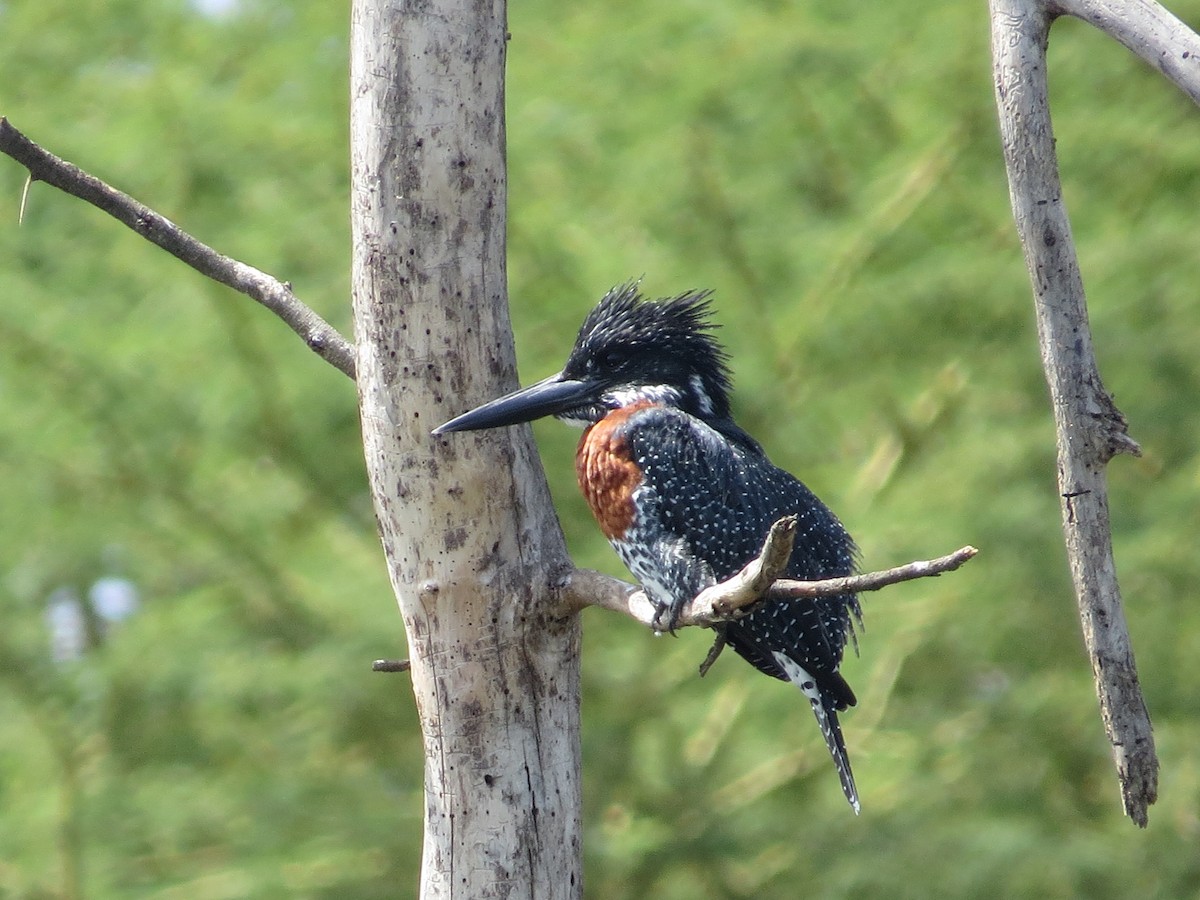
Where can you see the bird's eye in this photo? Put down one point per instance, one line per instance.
(614, 359)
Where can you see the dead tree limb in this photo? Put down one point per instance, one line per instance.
(757, 581)
(1090, 428)
(321, 337)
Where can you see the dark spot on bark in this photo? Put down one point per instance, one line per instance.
(455, 538)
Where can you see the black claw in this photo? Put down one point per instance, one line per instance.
(672, 612)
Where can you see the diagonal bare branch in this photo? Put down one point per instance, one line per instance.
(1150, 31)
(321, 337)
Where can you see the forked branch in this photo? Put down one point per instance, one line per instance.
(321, 337)
(757, 581)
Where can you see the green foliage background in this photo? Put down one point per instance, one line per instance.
(834, 172)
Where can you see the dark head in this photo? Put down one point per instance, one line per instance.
(628, 349)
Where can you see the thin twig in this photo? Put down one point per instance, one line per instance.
(873, 581)
(319, 335)
(24, 198)
(1090, 428)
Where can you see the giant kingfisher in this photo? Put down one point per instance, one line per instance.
(685, 496)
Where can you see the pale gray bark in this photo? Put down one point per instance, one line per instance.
(473, 546)
(1090, 428)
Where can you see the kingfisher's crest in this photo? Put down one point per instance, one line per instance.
(662, 351)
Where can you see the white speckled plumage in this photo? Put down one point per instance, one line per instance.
(702, 510)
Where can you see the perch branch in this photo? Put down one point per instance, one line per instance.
(277, 296)
(1090, 428)
(727, 600)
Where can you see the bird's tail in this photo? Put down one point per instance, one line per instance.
(825, 709)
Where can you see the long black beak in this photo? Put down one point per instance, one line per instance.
(546, 398)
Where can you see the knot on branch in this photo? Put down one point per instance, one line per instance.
(1113, 438)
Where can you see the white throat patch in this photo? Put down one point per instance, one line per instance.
(653, 393)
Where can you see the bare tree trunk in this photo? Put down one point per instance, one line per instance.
(473, 547)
